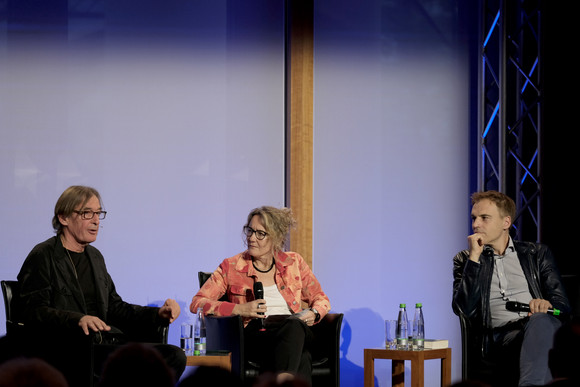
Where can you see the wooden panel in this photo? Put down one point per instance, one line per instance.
(299, 124)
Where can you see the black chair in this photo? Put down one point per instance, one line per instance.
(497, 369)
(10, 291)
(227, 333)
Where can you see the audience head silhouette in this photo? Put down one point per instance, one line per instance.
(30, 372)
(136, 365)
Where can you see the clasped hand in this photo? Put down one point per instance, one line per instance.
(257, 309)
(253, 309)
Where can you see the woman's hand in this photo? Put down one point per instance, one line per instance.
(307, 316)
(253, 309)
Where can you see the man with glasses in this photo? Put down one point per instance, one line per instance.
(68, 298)
(496, 269)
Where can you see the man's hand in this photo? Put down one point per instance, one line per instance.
(170, 310)
(93, 323)
(538, 305)
(475, 245)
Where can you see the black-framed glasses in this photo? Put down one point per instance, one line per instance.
(88, 214)
(248, 231)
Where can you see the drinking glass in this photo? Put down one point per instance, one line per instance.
(186, 341)
(390, 334)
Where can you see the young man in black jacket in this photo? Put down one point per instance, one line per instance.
(494, 270)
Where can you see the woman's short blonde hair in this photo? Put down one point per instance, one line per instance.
(277, 223)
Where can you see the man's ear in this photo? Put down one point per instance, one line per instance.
(63, 220)
(507, 222)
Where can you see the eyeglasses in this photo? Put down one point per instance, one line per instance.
(259, 233)
(88, 215)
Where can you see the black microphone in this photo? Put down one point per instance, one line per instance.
(514, 306)
(259, 294)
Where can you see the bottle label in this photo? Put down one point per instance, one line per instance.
(419, 343)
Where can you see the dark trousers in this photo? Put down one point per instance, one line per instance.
(529, 341)
(282, 347)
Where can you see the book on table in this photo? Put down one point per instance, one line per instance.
(436, 344)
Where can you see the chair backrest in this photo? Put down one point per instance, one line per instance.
(11, 293)
(203, 276)
(571, 283)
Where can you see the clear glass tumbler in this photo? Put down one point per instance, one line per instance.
(390, 334)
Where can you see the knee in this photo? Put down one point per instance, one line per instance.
(295, 323)
(294, 329)
(544, 322)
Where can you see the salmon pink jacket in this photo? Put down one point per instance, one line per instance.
(235, 277)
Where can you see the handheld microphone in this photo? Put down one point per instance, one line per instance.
(259, 294)
(514, 306)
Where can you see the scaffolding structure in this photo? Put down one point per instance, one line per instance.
(510, 107)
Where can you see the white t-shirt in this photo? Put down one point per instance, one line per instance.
(274, 301)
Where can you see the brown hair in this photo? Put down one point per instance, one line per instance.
(504, 203)
(69, 200)
(277, 223)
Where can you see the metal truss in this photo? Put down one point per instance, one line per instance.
(510, 96)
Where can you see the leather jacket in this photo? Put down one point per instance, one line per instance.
(472, 283)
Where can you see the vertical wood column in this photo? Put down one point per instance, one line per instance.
(299, 121)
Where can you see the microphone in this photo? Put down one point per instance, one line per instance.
(514, 306)
(259, 294)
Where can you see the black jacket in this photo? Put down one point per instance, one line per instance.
(51, 296)
(472, 282)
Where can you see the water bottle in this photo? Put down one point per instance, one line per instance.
(402, 321)
(410, 335)
(418, 328)
(199, 338)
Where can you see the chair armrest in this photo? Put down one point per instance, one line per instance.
(471, 348)
(325, 348)
(465, 327)
(148, 333)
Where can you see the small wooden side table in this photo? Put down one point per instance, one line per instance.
(212, 359)
(398, 358)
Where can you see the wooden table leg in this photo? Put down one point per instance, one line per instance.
(369, 370)
(417, 372)
(398, 373)
(446, 371)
